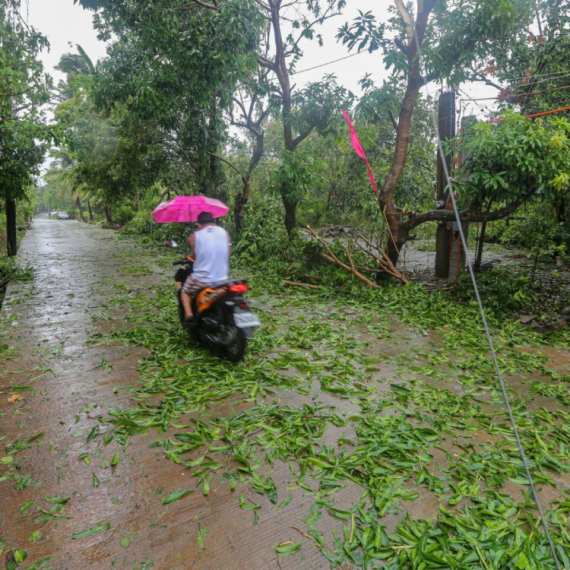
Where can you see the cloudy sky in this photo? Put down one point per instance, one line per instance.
(66, 25)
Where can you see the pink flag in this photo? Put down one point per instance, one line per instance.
(358, 148)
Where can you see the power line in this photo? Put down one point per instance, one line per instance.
(329, 62)
(530, 78)
(537, 114)
(518, 96)
(483, 108)
(546, 79)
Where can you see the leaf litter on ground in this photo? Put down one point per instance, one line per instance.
(396, 431)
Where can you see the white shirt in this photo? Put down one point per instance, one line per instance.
(211, 247)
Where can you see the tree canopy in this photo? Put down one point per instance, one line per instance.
(181, 77)
(24, 89)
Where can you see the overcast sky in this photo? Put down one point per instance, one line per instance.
(66, 25)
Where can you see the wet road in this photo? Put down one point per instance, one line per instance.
(74, 499)
(54, 385)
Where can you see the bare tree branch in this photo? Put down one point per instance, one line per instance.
(466, 215)
(230, 165)
(351, 267)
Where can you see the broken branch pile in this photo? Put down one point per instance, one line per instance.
(374, 251)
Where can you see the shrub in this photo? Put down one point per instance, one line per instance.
(502, 290)
(143, 226)
(263, 237)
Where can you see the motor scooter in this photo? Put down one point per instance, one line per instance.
(223, 319)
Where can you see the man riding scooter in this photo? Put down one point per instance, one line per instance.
(210, 247)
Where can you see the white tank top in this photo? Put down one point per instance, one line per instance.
(211, 247)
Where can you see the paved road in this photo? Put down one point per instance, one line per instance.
(54, 385)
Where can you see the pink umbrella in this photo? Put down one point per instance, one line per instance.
(188, 208)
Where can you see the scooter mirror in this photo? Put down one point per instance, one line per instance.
(171, 243)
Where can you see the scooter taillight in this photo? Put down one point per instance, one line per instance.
(238, 288)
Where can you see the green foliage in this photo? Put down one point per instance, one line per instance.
(516, 158)
(537, 61)
(537, 228)
(503, 291)
(143, 226)
(11, 271)
(123, 213)
(297, 172)
(459, 37)
(329, 401)
(140, 224)
(317, 106)
(24, 89)
(263, 239)
(176, 68)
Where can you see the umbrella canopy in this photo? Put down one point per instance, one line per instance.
(188, 208)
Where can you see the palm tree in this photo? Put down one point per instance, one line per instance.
(61, 170)
(73, 64)
(60, 176)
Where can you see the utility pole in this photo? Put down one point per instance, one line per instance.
(446, 132)
(458, 250)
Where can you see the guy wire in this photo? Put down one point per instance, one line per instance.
(484, 319)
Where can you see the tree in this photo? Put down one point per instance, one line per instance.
(211, 57)
(533, 78)
(76, 66)
(447, 40)
(304, 111)
(24, 88)
(178, 67)
(107, 157)
(251, 108)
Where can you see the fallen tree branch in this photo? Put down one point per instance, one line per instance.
(334, 259)
(384, 262)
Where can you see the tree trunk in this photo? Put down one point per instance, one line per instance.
(396, 241)
(243, 197)
(386, 196)
(89, 208)
(479, 256)
(290, 215)
(400, 235)
(11, 230)
(108, 214)
(240, 204)
(78, 204)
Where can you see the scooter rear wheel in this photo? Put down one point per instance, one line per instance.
(234, 352)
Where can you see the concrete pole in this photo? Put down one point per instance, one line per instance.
(446, 132)
(458, 250)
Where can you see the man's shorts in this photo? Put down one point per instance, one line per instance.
(192, 286)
